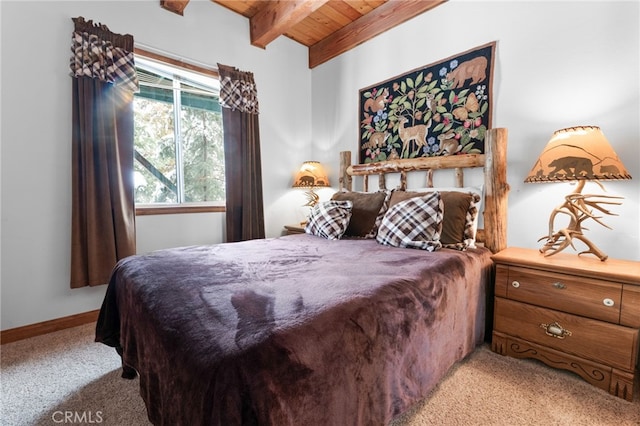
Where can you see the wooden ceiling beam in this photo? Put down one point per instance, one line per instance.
(275, 18)
(379, 20)
(175, 6)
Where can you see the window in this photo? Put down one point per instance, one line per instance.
(178, 138)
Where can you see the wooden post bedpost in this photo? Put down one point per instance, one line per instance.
(459, 176)
(496, 189)
(345, 178)
(382, 183)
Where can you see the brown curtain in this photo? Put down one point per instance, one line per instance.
(243, 170)
(103, 211)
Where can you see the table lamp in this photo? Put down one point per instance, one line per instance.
(311, 175)
(577, 154)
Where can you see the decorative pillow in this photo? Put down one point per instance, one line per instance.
(460, 220)
(413, 223)
(367, 212)
(329, 219)
(478, 197)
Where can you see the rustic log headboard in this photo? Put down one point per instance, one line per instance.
(496, 188)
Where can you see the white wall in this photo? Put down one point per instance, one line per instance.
(36, 137)
(558, 64)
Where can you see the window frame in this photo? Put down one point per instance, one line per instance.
(177, 208)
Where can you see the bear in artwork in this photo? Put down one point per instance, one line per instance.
(474, 69)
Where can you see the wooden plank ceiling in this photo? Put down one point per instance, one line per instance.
(327, 27)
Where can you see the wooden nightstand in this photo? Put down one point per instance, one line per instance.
(571, 312)
(294, 229)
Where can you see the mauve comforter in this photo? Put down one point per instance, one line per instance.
(296, 330)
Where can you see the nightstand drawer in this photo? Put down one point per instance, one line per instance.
(602, 342)
(587, 297)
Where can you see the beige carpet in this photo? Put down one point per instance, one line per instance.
(65, 378)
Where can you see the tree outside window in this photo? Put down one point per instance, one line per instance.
(179, 155)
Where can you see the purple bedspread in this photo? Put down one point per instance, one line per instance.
(296, 330)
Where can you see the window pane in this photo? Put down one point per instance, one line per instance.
(202, 154)
(179, 162)
(155, 165)
(195, 97)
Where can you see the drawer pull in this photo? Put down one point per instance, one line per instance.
(559, 285)
(515, 284)
(555, 330)
(608, 302)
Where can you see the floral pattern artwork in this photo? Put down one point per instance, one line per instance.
(440, 109)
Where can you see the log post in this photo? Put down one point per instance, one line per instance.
(496, 189)
(345, 181)
(382, 182)
(403, 180)
(459, 176)
(429, 179)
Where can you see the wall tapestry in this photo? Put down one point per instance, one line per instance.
(440, 109)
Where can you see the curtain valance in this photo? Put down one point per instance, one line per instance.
(238, 90)
(99, 53)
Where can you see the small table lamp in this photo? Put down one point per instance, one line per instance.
(577, 154)
(311, 175)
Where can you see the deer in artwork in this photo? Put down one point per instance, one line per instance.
(417, 134)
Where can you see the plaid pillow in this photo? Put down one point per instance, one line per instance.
(460, 220)
(413, 223)
(329, 219)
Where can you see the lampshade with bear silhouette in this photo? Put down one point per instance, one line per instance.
(577, 154)
(311, 175)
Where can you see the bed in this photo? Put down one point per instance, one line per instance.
(309, 329)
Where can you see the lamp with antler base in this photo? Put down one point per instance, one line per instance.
(578, 154)
(311, 175)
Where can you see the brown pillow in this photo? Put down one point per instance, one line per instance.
(367, 206)
(456, 205)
